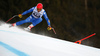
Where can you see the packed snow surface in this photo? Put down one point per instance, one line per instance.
(18, 42)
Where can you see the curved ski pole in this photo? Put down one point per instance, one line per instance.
(11, 18)
(54, 30)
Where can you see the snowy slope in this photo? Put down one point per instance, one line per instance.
(17, 42)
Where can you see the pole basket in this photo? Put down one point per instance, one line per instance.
(78, 42)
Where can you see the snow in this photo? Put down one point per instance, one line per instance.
(25, 43)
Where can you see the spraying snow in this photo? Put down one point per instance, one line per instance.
(17, 42)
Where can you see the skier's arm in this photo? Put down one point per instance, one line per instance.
(28, 11)
(46, 17)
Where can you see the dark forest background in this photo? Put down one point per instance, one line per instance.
(72, 19)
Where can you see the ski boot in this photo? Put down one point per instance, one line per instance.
(12, 25)
(27, 29)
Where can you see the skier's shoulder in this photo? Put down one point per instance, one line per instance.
(44, 11)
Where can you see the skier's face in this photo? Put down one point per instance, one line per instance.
(38, 9)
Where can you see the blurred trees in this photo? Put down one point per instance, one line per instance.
(72, 19)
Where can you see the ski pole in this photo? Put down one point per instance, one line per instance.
(79, 41)
(11, 18)
(54, 30)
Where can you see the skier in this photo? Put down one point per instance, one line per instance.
(34, 18)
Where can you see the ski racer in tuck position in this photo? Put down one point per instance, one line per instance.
(34, 18)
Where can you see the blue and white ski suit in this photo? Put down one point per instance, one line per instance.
(35, 17)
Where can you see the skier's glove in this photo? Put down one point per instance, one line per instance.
(20, 15)
(49, 28)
